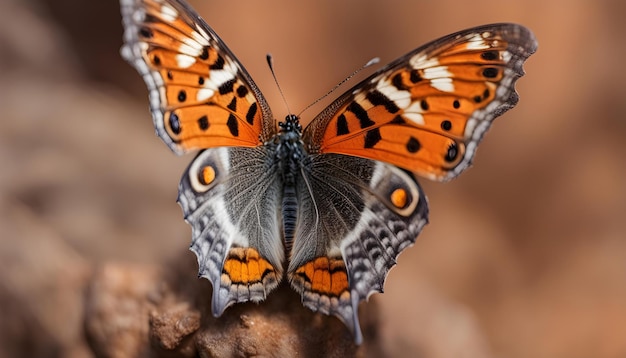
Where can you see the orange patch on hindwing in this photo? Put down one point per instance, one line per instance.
(245, 266)
(327, 276)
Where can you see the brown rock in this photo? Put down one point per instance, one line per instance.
(168, 328)
(119, 301)
(127, 304)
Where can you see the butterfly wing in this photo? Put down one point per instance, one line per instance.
(427, 111)
(230, 197)
(424, 113)
(200, 95)
(355, 217)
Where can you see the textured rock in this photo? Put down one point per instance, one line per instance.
(135, 311)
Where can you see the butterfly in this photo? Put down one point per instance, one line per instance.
(327, 208)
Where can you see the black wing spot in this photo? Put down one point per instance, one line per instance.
(361, 115)
(218, 64)
(156, 60)
(490, 55)
(232, 105)
(377, 98)
(203, 123)
(398, 83)
(175, 124)
(342, 125)
(453, 152)
(398, 120)
(446, 125)
(486, 94)
(170, 76)
(251, 113)
(182, 96)
(413, 145)
(242, 91)
(205, 53)
(372, 137)
(227, 87)
(146, 32)
(232, 125)
(415, 76)
(456, 104)
(478, 99)
(150, 18)
(200, 80)
(424, 105)
(490, 72)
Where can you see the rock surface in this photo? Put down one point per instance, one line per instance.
(140, 311)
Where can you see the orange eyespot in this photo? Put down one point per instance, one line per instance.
(207, 176)
(399, 198)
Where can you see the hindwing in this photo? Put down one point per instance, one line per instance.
(230, 198)
(355, 216)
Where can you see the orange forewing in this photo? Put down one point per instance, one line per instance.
(397, 146)
(226, 119)
(177, 29)
(197, 131)
(427, 133)
(197, 112)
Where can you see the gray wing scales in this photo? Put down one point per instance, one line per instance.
(355, 216)
(230, 197)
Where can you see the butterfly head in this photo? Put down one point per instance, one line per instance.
(291, 124)
(289, 140)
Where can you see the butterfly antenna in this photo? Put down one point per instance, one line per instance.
(270, 63)
(373, 61)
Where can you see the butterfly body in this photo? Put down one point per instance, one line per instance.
(291, 156)
(327, 208)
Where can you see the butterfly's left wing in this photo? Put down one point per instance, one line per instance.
(427, 111)
(200, 95)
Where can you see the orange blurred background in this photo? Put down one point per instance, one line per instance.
(524, 256)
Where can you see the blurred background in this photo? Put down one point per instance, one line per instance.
(524, 256)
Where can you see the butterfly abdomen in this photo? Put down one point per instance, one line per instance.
(289, 214)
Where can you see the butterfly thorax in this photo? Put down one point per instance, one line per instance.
(289, 148)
